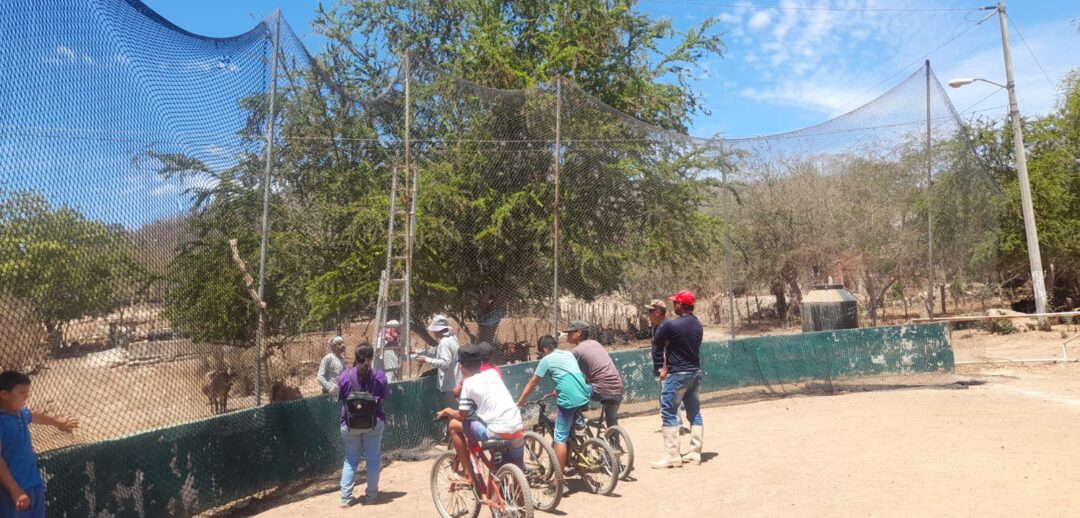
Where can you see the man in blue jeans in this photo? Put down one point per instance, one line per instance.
(680, 372)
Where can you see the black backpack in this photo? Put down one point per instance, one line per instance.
(360, 405)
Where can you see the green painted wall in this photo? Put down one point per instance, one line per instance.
(188, 468)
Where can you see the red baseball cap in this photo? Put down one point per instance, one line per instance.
(684, 297)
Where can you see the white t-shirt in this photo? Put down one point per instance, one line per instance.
(494, 404)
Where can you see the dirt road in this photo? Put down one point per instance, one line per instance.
(1006, 448)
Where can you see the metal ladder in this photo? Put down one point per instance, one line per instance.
(394, 283)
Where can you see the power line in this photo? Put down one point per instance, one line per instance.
(902, 70)
(1031, 52)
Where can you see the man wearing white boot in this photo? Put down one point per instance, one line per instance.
(681, 377)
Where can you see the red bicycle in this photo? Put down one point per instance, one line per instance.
(504, 490)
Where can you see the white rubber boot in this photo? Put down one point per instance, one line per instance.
(697, 435)
(671, 447)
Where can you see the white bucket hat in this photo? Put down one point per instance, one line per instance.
(439, 324)
(393, 323)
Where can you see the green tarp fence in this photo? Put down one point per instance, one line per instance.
(189, 468)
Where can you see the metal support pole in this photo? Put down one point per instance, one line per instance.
(411, 195)
(727, 248)
(1038, 284)
(929, 206)
(259, 338)
(555, 234)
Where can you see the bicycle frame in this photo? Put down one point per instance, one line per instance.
(546, 425)
(488, 491)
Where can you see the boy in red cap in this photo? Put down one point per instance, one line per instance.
(681, 379)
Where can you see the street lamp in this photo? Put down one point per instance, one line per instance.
(1038, 285)
(963, 81)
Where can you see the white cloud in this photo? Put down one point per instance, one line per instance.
(833, 62)
(760, 20)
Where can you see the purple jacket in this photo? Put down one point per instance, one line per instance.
(376, 384)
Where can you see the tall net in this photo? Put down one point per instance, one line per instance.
(136, 153)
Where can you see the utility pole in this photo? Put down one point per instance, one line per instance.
(1038, 285)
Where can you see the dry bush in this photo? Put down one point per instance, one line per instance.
(22, 338)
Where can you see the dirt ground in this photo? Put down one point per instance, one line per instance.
(1007, 447)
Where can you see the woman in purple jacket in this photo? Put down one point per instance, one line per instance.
(362, 376)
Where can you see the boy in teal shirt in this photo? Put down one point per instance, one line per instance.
(573, 392)
(19, 473)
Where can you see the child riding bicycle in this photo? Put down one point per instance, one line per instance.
(573, 392)
(486, 410)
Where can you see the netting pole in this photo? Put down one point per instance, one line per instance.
(929, 207)
(727, 249)
(259, 338)
(410, 193)
(555, 233)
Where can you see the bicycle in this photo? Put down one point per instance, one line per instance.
(502, 490)
(619, 440)
(589, 457)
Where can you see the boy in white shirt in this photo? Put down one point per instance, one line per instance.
(486, 410)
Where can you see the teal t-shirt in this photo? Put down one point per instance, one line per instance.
(569, 382)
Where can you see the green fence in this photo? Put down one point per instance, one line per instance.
(186, 469)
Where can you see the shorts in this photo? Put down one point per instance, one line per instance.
(564, 422)
(515, 454)
(37, 504)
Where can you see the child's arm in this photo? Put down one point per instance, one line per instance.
(62, 423)
(22, 501)
(529, 388)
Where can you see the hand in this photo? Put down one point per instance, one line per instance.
(421, 359)
(22, 500)
(67, 424)
(663, 373)
(442, 414)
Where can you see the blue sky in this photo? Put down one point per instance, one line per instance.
(794, 63)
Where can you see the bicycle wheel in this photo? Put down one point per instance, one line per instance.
(623, 447)
(451, 500)
(515, 493)
(543, 472)
(598, 466)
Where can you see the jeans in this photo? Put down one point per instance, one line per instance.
(681, 387)
(369, 444)
(565, 422)
(515, 454)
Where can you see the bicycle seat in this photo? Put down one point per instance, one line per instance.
(495, 445)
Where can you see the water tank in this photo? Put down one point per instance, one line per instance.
(829, 306)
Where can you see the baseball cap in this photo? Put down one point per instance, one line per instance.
(485, 350)
(393, 323)
(577, 325)
(656, 304)
(684, 297)
(439, 323)
(471, 353)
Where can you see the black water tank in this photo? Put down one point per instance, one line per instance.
(829, 306)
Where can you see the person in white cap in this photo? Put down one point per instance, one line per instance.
(443, 357)
(388, 343)
(331, 366)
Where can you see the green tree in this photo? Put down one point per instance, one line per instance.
(1053, 151)
(63, 264)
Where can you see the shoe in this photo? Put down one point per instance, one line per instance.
(370, 499)
(345, 504)
(671, 447)
(697, 435)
